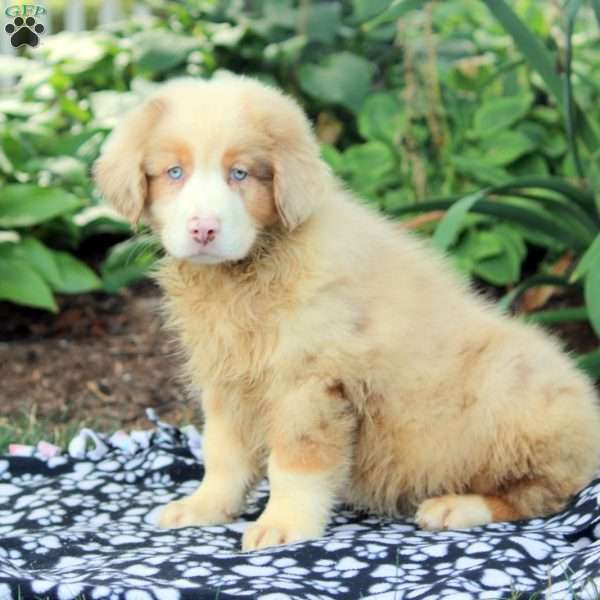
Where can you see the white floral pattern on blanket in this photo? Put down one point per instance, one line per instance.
(83, 526)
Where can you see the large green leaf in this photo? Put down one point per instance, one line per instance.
(40, 258)
(505, 267)
(343, 78)
(23, 205)
(382, 118)
(396, 10)
(474, 246)
(362, 10)
(323, 22)
(497, 114)
(60, 270)
(19, 283)
(369, 167)
(75, 276)
(159, 51)
(506, 147)
(479, 171)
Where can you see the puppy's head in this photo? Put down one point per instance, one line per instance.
(210, 164)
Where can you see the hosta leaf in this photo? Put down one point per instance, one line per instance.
(479, 171)
(75, 276)
(159, 51)
(506, 147)
(476, 245)
(40, 258)
(363, 10)
(504, 268)
(343, 78)
(20, 284)
(396, 10)
(23, 205)
(323, 22)
(369, 161)
(497, 114)
(381, 118)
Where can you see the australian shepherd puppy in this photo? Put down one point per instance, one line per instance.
(336, 353)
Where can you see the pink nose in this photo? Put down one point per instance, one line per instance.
(204, 229)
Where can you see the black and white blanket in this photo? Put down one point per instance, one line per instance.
(82, 526)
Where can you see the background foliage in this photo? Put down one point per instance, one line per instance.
(473, 120)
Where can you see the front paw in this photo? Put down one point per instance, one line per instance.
(191, 512)
(265, 533)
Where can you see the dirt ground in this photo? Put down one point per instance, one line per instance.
(102, 360)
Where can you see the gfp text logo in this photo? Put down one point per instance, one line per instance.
(24, 30)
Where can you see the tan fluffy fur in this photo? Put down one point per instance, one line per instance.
(346, 359)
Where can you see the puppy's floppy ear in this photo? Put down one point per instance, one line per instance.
(297, 187)
(300, 177)
(118, 172)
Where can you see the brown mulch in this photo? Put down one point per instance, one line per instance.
(102, 360)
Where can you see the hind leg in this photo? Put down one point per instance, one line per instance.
(524, 499)
(464, 511)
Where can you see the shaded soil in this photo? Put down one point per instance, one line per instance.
(102, 360)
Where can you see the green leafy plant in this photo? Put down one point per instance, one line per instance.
(478, 115)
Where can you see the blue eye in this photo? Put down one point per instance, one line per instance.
(175, 173)
(238, 174)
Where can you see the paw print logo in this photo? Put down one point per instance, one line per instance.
(24, 31)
